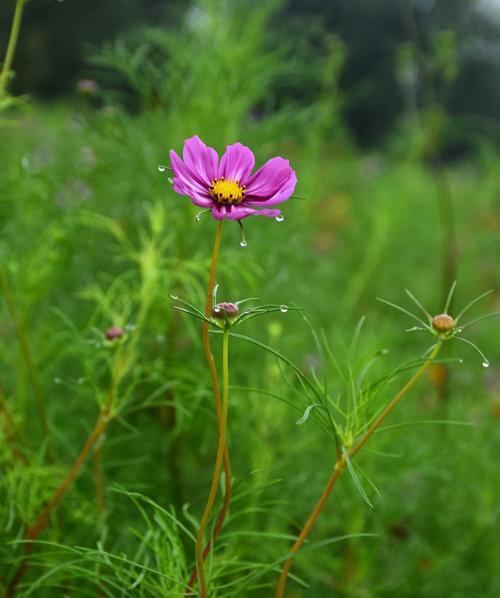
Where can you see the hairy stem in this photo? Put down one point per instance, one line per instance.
(27, 355)
(103, 419)
(340, 465)
(11, 48)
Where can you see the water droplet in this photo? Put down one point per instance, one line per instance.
(486, 364)
(280, 218)
(283, 309)
(243, 243)
(197, 217)
(216, 310)
(161, 168)
(170, 180)
(246, 312)
(57, 381)
(460, 329)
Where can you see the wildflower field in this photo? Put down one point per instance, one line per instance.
(235, 353)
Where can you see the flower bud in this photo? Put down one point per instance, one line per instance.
(114, 333)
(225, 311)
(443, 323)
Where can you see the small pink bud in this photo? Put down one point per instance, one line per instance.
(221, 311)
(443, 323)
(114, 333)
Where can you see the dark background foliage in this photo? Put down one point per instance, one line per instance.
(56, 34)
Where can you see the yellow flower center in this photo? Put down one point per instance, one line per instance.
(227, 192)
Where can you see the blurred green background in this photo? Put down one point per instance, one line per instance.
(389, 113)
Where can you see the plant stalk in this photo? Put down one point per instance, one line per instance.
(11, 48)
(221, 448)
(340, 465)
(103, 419)
(27, 356)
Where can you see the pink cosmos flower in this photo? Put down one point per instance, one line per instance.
(227, 186)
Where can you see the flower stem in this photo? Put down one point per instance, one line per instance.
(27, 355)
(201, 555)
(103, 419)
(221, 448)
(340, 465)
(11, 48)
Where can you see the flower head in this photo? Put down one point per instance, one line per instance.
(227, 186)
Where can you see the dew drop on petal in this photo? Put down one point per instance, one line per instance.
(283, 309)
(161, 168)
(486, 364)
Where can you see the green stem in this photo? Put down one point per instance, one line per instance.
(217, 468)
(26, 352)
(11, 48)
(201, 555)
(340, 465)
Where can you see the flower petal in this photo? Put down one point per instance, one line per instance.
(186, 183)
(240, 212)
(273, 183)
(200, 159)
(236, 163)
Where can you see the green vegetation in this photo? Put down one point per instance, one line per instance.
(93, 236)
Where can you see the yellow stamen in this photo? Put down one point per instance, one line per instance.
(227, 192)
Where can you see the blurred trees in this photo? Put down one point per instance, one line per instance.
(56, 33)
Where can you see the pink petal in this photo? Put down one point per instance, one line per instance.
(200, 159)
(236, 163)
(240, 212)
(273, 183)
(186, 183)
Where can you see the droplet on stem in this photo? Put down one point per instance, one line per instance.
(486, 364)
(161, 168)
(283, 309)
(280, 218)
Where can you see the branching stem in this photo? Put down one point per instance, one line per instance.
(340, 465)
(103, 419)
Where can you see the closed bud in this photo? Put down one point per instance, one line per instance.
(225, 312)
(114, 333)
(443, 323)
